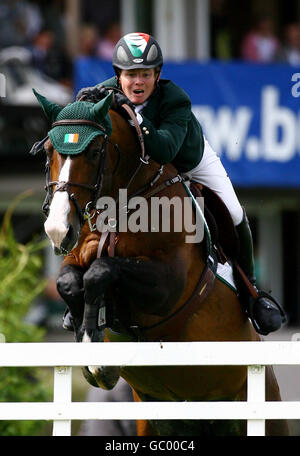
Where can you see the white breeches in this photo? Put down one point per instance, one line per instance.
(211, 173)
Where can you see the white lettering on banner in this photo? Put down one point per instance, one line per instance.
(295, 87)
(275, 118)
(221, 123)
(227, 129)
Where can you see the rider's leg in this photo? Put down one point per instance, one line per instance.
(211, 173)
(266, 315)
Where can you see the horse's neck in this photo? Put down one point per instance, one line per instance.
(130, 170)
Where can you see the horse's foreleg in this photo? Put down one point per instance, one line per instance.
(145, 281)
(70, 287)
(96, 281)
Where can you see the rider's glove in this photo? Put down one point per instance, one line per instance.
(92, 94)
(120, 99)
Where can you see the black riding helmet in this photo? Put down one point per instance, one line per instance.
(136, 50)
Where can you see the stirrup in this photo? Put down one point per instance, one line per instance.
(253, 301)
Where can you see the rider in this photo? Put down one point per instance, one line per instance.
(173, 134)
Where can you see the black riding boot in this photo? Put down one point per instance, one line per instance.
(265, 313)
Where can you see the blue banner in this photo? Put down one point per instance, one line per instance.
(250, 113)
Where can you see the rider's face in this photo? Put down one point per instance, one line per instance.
(138, 84)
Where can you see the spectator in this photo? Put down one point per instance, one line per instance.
(108, 12)
(49, 58)
(261, 44)
(55, 19)
(289, 52)
(109, 38)
(20, 21)
(220, 36)
(89, 39)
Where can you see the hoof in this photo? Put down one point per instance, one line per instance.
(89, 377)
(105, 377)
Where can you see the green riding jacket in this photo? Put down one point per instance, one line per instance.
(175, 135)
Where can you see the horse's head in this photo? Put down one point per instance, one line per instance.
(75, 151)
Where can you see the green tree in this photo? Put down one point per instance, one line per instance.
(20, 283)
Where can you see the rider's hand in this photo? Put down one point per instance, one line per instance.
(92, 94)
(120, 99)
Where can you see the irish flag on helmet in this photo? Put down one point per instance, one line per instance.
(136, 43)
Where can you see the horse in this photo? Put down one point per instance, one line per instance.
(121, 285)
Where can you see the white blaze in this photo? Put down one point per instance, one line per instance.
(56, 225)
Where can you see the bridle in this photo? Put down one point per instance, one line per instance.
(62, 186)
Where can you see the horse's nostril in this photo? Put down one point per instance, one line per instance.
(57, 251)
(70, 240)
(70, 232)
(69, 236)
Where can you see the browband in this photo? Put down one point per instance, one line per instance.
(78, 122)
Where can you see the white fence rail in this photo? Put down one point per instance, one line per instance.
(62, 410)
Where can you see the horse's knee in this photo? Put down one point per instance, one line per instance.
(100, 274)
(69, 283)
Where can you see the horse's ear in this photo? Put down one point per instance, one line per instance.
(50, 109)
(101, 108)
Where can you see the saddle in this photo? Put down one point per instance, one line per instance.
(222, 231)
(223, 234)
